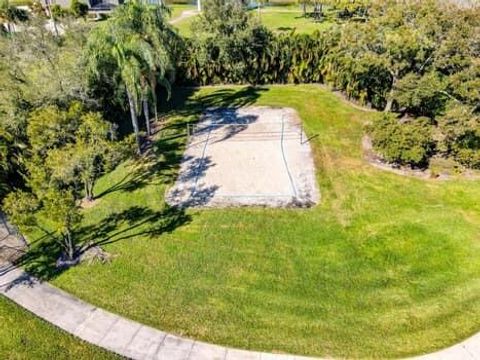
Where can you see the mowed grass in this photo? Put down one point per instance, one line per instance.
(385, 266)
(287, 21)
(23, 336)
(178, 9)
(275, 18)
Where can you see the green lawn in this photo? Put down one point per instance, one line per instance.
(279, 20)
(385, 266)
(177, 9)
(23, 336)
(276, 18)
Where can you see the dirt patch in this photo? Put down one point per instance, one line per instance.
(247, 156)
(87, 204)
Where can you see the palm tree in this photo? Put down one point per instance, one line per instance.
(135, 39)
(160, 36)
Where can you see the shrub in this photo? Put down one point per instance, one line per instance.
(404, 143)
(460, 128)
(78, 8)
(468, 157)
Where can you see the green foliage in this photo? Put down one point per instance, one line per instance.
(421, 95)
(254, 56)
(461, 134)
(222, 18)
(62, 212)
(406, 143)
(134, 48)
(57, 11)
(50, 127)
(56, 205)
(21, 206)
(68, 149)
(78, 9)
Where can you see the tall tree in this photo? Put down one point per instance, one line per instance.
(135, 38)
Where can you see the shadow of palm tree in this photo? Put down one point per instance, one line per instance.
(158, 166)
(186, 101)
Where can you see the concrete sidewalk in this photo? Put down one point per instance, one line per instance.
(137, 341)
(110, 331)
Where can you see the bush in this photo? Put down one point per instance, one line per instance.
(78, 8)
(460, 128)
(468, 157)
(404, 143)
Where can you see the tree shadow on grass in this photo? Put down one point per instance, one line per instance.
(185, 100)
(135, 222)
(232, 98)
(285, 28)
(158, 166)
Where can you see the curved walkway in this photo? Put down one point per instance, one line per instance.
(137, 341)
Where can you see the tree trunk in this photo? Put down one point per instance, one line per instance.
(54, 23)
(304, 5)
(389, 105)
(55, 27)
(69, 245)
(88, 190)
(153, 88)
(146, 112)
(133, 116)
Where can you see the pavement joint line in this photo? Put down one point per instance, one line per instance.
(133, 337)
(191, 349)
(109, 328)
(80, 326)
(468, 352)
(160, 344)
